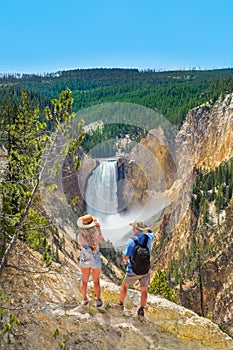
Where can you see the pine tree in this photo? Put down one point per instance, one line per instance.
(25, 138)
(159, 286)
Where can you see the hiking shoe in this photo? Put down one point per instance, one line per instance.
(141, 311)
(85, 301)
(99, 303)
(117, 306)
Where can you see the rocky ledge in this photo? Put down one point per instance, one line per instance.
(48, 305)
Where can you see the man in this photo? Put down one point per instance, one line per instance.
(130, 278)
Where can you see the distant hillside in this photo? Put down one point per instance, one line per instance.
(173, 93)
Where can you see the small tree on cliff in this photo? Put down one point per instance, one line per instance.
(159, 286)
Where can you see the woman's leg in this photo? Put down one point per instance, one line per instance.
(96, 281)
(85, 278)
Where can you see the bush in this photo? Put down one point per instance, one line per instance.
(159, 286)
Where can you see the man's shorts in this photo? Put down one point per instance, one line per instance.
(143, 279)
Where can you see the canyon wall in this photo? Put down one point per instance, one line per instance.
(208, 135)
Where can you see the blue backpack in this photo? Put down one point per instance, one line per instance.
(140, 260)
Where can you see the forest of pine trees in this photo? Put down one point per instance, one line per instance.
(214, 186)
(172, 93)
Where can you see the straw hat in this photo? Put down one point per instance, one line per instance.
(86, 221)
(139, 225)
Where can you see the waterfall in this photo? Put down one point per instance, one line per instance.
(101, 190)
(102, 202)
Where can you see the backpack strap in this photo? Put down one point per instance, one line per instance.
(135, 241)
(145, 241)
(144, 244)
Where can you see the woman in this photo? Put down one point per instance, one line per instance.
(89, 236)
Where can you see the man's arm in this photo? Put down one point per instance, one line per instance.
(128, 250)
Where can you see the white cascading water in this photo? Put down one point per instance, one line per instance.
(102, 202)
(101, 191)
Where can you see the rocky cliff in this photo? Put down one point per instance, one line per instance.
(74, 181)
(48, 305)
(208, 135)
(148, 170)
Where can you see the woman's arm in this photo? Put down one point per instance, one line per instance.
(99, 237)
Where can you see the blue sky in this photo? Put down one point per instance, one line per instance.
(48, 35)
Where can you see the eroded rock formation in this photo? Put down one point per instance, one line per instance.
(208, 135)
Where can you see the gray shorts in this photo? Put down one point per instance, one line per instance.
(89, 259)
(143, 279)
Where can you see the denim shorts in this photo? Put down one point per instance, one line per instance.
(89, 259)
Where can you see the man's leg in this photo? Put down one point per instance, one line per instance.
(144, 283)
(128, 280)
(123, 292)
(143, 296)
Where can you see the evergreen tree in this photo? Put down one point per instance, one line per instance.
(25, 138)
(159, 286)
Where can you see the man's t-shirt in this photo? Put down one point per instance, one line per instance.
(131, 246)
